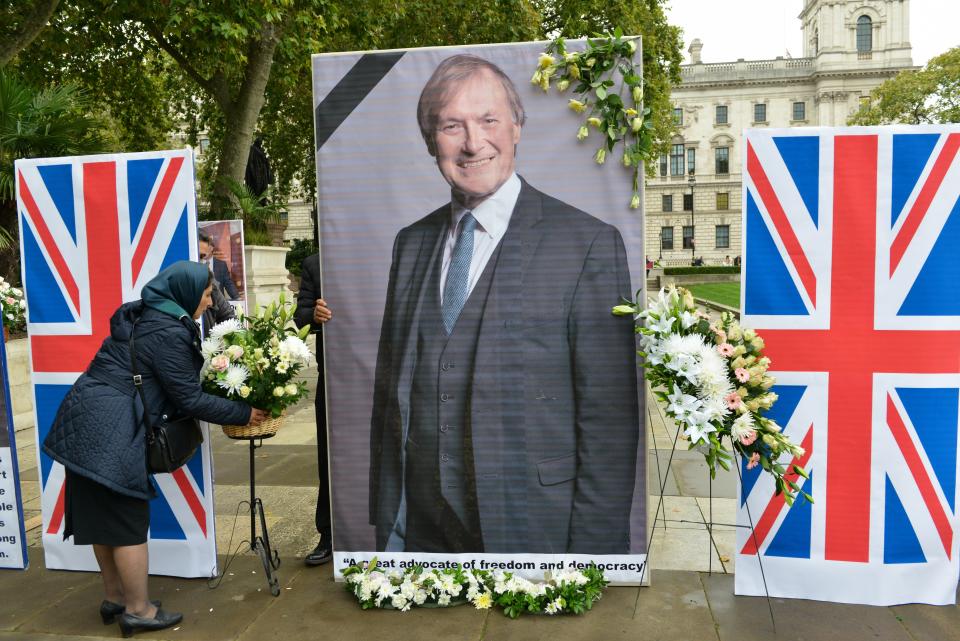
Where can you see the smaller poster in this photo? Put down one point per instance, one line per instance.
(220, 244)
(13, 545)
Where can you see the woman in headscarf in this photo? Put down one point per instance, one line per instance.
(100, 437)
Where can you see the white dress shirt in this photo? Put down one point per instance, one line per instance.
(493, 217)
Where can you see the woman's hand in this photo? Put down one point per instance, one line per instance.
(256, 417)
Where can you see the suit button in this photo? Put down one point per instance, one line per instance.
(445, 366)
(444, 428)
(444, 457)
(444, 398)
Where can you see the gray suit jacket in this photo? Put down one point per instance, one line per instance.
(553, 405)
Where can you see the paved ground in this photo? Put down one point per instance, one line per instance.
(684, 603)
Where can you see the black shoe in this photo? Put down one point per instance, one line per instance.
(130, 623)
(321, 554)
(109, 611)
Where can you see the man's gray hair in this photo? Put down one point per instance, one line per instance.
(448, 75)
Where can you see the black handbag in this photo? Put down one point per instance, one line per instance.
(172, 443)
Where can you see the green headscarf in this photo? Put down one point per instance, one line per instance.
(177, 290)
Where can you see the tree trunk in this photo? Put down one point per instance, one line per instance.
(33, 23)
(241, 115)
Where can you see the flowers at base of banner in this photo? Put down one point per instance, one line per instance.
(565, 592)
(713, 381)
(13, 306)
(256, 359)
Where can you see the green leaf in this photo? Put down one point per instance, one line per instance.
(601, 93)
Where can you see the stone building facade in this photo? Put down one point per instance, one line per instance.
(693, 205)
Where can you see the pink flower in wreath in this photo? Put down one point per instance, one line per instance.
(220, 362)
(754, 461)
(725, 349)
(742, 374)
(748, 438)
(733, 400)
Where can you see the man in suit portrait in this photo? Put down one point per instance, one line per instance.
(505, 411)
(221, 272)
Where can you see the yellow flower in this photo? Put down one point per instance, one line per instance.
(636, 124)
(545, 82)
(601, 156)
(574, 71)
(483, 601)
(583, 132)
(570, 57)
(590, 62)
(635, 201)
(630, 112)
(536, 77)
(637, 94)
(278, 391)
(244, 391)
(545, 60)
(291, 389)
(627, 162)
(596, 122)
(576, 105)
(632, 45)
(563, 84)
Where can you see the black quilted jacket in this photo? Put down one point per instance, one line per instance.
(99, 432)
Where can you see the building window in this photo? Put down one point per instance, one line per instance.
(722, 160)
(688, 236)
(676, 160)
(723, 236)
(760, 112)
(816, 41)
(721, 115)
(864, 35)
(688, 202)
(663, 164)
(691, 160)
(667, 203)
(799, 111)
(723, 200)
(678, 116)
(666, 238)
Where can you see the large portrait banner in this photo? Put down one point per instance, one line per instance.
(483, 403)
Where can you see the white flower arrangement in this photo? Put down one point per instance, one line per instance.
(713, 380)
(13, 307)
(560, 593)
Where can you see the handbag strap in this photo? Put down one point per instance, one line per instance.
(138, 383)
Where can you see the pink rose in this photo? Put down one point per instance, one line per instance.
(725, 349)
(10, 300)
(748, 438)
(742, 374)
(220, 362)
(733, 400)
(754, 461)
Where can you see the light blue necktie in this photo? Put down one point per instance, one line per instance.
(456, 289)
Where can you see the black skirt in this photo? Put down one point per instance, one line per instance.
(96, 515)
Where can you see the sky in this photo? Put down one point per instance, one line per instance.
(765, 29)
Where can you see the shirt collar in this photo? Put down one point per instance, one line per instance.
(493, 214)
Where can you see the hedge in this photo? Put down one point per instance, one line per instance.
(711, 269)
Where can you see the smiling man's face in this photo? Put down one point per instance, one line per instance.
(475, 138)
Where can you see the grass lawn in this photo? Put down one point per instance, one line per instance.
(723, 293)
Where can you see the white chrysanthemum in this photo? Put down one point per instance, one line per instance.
(713, 379)
(294, 349)
(233, 378)
(225, 328)
(742, 426)
(210, 347)
(716, 408)
(691, 344)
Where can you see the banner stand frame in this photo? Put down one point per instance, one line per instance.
(662, 481)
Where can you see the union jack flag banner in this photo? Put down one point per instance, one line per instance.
(93, 231)
(852, 277)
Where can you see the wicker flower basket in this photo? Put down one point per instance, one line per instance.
(265, 429)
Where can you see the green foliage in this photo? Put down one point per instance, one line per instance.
(709, 269)
(299, 250)
(930, 95)
(255, 211)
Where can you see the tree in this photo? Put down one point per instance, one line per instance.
(20, 23)
(34, 124)
(931, 95)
